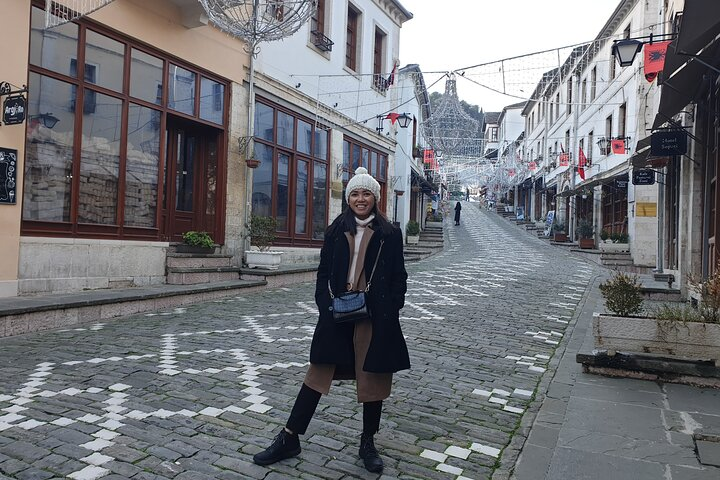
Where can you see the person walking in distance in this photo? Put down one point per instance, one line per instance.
(360, 249)
(458, 207)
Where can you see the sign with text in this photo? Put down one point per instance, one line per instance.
(14, 110)
(645, 209)
(8, 176)
(643, 177)
(668, 142)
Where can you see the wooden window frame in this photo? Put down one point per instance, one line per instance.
(352, 38)
(75, 229)
(289, 237)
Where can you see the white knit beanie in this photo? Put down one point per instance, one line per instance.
(362, 179)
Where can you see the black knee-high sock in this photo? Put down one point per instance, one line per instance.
(371, 417)
(303, 410)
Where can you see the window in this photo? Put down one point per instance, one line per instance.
(318, 29)
(493, 134)
(583, 94)
(611, 68)
(379, 81)
(557, 106)
(567, 140)
(591, 143)
(89, 95)
(622, 112)
(291, 183)
(569, 96)
(352, 40)
(98, 174)
(593, 83)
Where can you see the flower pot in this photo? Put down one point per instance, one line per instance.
(560, 237)
(269, 260)
(430, 224)
(413, 239)
(252, 163)
(586, 243)
(611, 247)
(689, 340)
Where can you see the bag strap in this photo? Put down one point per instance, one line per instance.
(367, 287)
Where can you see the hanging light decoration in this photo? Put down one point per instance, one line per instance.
(450, 130)
(257, 21)
(58, 12)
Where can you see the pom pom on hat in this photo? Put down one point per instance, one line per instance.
(362, 179)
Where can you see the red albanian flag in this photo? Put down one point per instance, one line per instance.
(654, 59)
(618, 146)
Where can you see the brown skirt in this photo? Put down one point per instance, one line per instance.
(371, 387)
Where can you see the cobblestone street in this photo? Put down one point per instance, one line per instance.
(192, 393)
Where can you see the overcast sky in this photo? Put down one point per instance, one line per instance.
(445, 35)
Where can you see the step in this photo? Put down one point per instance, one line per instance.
(20, 315)
(616, 256)
(193, 276)
(191, 260)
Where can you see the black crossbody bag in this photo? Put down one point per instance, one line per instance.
(352, 306)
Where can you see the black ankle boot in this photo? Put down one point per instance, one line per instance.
(285, 445)
(369, 454)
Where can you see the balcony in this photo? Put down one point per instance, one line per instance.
(380, 83)
(322, 42)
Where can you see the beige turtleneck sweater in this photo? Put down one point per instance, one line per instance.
(361, 228)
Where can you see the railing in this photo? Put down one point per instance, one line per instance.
(380, 83)
(322, 42)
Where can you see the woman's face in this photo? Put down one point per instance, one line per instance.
(361, 202)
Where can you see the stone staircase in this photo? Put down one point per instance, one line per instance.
(622, 261)
(196, 268)
(431, 242)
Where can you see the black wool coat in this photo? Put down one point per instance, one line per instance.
(388, 351)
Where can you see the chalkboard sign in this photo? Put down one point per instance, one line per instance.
(643, 177)
(8, 176)
(668, 142)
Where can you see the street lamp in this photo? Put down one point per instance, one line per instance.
(625, 50)
(403, 120)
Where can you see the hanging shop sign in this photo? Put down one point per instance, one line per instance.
(621, 183)
(643, 176)
(14, 110)
(665, 143)
(8, 176)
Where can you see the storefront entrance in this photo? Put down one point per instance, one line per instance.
(191, 172)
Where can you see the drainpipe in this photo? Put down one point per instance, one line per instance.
(661, 221)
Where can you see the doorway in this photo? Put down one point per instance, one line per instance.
(190, 199)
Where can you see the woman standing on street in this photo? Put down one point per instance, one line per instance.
(458, 207)
(361, 247)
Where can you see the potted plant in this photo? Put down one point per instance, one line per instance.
(615, 242)
(434, 220)
(585, 231)
(262, 232)
(677, 330)
(412, 232)
(196, 242)
(560, 234)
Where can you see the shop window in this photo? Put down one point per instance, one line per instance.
(105, 182)
(291, 183)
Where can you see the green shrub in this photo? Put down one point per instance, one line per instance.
(559, 227)
(262, 232)
(198, 239)
(619, 237)
(412, 228)
(622, 294)
(677, 312)
(604, 234)
(585, 229)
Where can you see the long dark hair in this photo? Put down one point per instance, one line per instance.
(345, 222)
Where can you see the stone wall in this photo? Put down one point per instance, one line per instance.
(54, 265)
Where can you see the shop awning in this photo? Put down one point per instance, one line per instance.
(643, 158)
(683, 74)
(603, 178)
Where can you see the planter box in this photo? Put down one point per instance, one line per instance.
(688, 340)
(433, 224)
(614, 247)
(263, 260)
(413, 239)
(185, 248)
(560, 237)
(586, 243)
